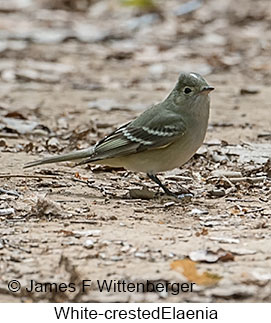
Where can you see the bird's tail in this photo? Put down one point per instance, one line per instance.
(84, 153)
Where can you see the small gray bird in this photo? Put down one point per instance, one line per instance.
(163, 137)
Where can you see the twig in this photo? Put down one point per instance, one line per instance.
(8, 244)
(7, 211)
(84, 222)
(27, 176)
(47, 176)
(79, 180)
(8, 135)
(3, 191)
(67, 201)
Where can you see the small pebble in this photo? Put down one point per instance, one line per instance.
(116, 258)
(218, 192)
(198, 212)
(168, 204)
(125, 248)
(249, 90)
(3, 143)
(89, 244)
(7, 211)
(140, 255)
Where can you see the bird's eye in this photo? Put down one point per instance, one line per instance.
(187, 90)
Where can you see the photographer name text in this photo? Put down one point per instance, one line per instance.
(103, 286)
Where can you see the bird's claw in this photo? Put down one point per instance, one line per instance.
(184, 196)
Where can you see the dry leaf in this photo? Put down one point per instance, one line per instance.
(187, 268)
(142, 4)
(66, 233)
(210, 256)
(19, 125)
(203, 232)
(78, 176)
(44, 207)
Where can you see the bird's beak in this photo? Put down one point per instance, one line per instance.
(207, 89)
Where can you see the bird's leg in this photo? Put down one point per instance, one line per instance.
(166, 190)
(157, 181)
(185, 191)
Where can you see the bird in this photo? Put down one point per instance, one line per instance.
(165, 136)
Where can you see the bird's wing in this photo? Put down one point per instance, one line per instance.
(140, 135)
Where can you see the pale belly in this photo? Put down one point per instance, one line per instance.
(159, 160)
(174, 155)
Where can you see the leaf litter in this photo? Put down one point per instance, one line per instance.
(187, 268)
(64, 85)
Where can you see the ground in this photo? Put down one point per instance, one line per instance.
(73, 71)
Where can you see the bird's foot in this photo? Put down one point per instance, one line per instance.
(184, 191)
(184, 194)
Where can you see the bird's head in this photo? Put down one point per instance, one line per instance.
(191, 88)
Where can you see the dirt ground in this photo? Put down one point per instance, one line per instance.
(70, 72)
